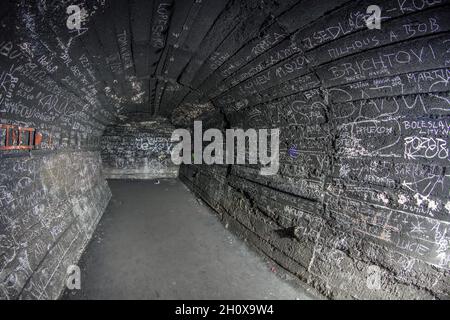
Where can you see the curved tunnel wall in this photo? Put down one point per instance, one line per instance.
(363, 183)
(364, 119)
(51, 197)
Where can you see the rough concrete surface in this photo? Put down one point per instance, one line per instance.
(138, 150)
(156, 241)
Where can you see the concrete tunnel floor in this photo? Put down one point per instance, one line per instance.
(156, 240)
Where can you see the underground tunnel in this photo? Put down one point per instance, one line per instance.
(114, 117)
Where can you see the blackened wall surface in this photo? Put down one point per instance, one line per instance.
(138, 150)
(363, 114)
(52, 197)
(50, 205)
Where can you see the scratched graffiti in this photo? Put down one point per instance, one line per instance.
(363, 115)
(426, 147)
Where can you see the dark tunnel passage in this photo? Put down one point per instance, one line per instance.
(356, 204)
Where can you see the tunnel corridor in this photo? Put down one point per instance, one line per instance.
(121, 127)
